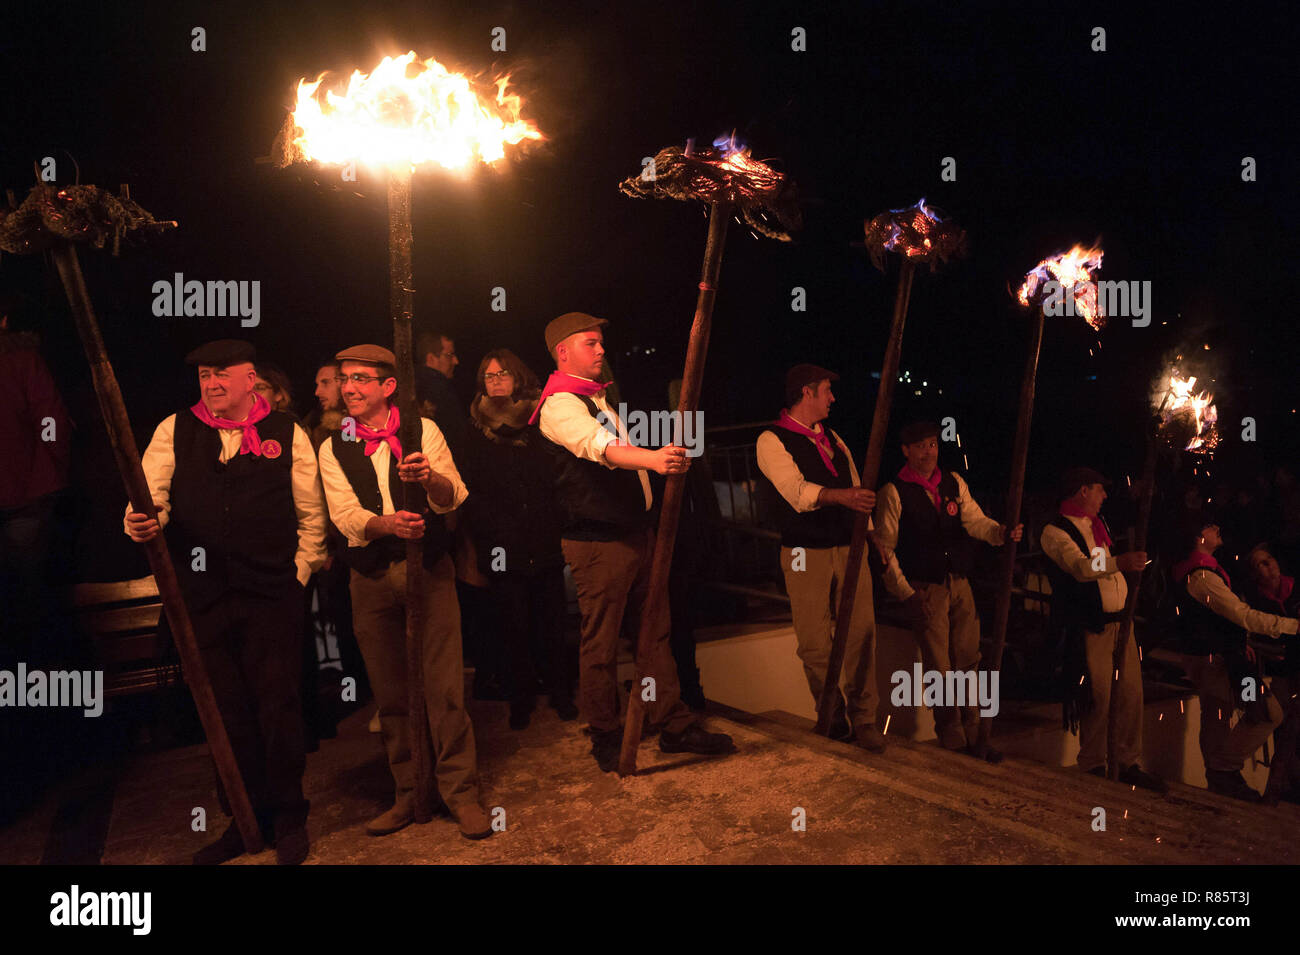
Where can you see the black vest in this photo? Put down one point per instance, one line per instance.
(1076, 604)
(241, 513)
(829, 526)
(596, 503)
(376, 556)
(932, 543)
(1200, 631)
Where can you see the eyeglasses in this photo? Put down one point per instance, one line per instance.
(357, 378)
(496, 375)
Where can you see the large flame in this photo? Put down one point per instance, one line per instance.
(1074, 271)
(409, 112)
(1179, 399)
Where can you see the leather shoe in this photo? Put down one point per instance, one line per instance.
(841, 731)
(399, 817)
(291, 842)
(473, 821)
(1227, 783)
(1136, 776)
(606, 746)
(229, 845)
(695, 739)
(870, 738)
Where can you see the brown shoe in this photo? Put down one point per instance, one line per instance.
(473, 821)
(870, 738)
(399, 817)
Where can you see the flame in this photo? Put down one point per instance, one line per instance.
(1074, 271)
(736, 157)
(1178, 399)
(404, 112)
(923, 221)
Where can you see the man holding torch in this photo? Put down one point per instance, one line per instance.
(818, 492)
(925, 524)
(1213, 628)
(235, 485)
(361, 472)
(1088, 595)
(605, 499)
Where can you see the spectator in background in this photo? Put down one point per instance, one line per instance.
(1274, 592)
(327, 415)
(273, 385)
(512, 517)
(435, 366)
(36, 441)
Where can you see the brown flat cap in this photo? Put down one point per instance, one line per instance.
(570, 323)
(374, 354)
(1075, 478)
(915, 431)
(225, 351)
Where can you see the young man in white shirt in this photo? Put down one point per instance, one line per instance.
(364, 469)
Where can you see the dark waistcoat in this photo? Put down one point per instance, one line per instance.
(596, 503)
(932, 543)
(1200, 631)
(1076, 604)
(241, 513)
(375, 557)
(828, 526)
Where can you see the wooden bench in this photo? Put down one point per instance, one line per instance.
(121, 619)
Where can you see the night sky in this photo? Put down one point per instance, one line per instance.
(1140, 146)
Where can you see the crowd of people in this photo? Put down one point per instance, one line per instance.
(271, 517)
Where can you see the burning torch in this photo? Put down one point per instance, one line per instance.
(403, 115)
(730, 182)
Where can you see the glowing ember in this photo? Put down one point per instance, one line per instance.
(1074, 271)
(407, 112)
(918, 232)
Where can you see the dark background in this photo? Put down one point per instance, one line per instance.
(1140, 145)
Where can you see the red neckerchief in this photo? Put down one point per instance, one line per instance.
(1284, 587)
(251, 442)
(1100, 534)
(819, 438)
(563, 384)
(1199, 558)
(374, 437)
(931, 484)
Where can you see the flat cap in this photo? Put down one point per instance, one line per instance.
(225, 351)
(570, 323)
(374, 354)
(915, 431)
(1075, 478)
(805, 374)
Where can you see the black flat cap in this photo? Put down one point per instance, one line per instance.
(805, 374)
(915, 431)
(1075, 478)
(223, 352)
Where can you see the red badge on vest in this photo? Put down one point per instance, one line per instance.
(952, 505)
(271, 449)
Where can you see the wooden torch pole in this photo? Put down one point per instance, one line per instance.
(400, 296)
(657, 594)
(160, 562)
(869, 475)
(1015, 497)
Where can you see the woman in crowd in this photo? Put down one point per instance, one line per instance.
(513, 522)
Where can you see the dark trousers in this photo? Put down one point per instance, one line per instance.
(251, 649)
(612, 579)
(530, 611)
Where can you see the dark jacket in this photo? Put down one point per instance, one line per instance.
(510, 473)
(829, 526)
(931, 541)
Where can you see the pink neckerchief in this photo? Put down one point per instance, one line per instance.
(820, 438)
(1199, 558)
(374, 437)
(251, 442)
(1099, 532)
(931, 484)
(1284, 587)
(563, 384)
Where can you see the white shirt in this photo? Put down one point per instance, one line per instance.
(159, 464)
(889, 508)
(345, 509)
(566, 421)
(1207, 587)
(1065, 553)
